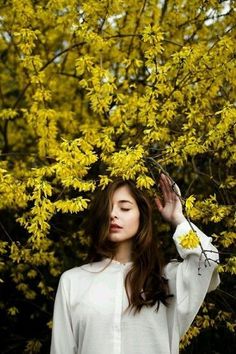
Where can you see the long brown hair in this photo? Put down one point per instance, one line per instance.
(145, 278)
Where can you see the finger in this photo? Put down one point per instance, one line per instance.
(174, 188)
(163, 188)
(159, 204)
(166, 187)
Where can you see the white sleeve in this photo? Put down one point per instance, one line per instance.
(62, 340)
(188, 287)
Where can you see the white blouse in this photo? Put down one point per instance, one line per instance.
(88, 310)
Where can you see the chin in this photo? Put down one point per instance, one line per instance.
(118, 238)
(114, 238)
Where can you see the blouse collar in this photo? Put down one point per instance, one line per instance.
(105, 263)
(107, 260)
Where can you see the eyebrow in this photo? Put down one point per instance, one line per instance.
(125, 201)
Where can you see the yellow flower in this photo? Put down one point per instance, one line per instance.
(12, 311)
(144, 181)
(189, 202)
(189, 240)
(104, 181)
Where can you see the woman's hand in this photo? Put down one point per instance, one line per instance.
(170, 207)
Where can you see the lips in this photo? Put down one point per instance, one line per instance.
(115, 227)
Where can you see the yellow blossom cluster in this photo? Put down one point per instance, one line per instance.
(207, 319)
(189, 240)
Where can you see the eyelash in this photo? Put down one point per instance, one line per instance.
(124, 209)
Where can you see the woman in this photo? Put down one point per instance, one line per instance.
(123, 300)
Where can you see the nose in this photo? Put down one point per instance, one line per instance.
(113, 213)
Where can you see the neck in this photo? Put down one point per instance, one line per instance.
(123, 254)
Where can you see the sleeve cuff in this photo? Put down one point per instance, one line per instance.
(183, 229)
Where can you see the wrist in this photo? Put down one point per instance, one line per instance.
(178, 220)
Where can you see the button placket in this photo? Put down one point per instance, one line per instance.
(118, 311)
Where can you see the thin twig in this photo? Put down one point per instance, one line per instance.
(5, 232)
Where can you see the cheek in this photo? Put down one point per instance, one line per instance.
(134, 222)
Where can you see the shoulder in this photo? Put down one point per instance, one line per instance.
(81, 271)
(74, 281)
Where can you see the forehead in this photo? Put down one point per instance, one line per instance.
(123, 193)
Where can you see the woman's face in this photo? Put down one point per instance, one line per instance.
(124, 221)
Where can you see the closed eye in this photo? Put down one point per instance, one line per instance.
(124, 209)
